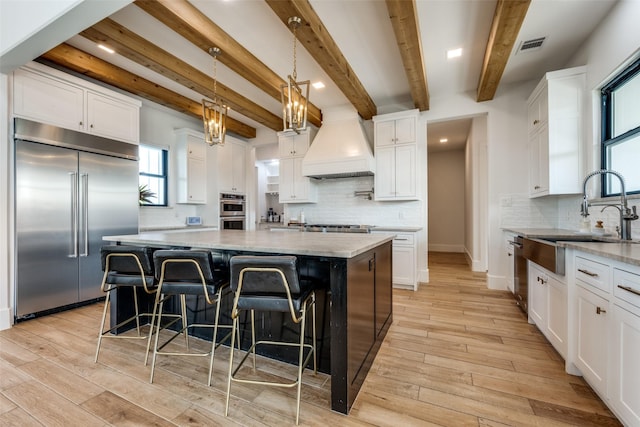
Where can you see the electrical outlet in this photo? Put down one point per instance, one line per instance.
(505, 201)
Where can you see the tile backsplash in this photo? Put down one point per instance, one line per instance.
(518, 210)
(337, 204)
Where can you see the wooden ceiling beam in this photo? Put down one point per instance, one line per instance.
(404, 19)
(507, 20)
(183, 18)
(143, 52)
(318, 42)
(81, 62)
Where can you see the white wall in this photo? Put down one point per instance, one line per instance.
(6, 313)
(28, 28)
(446, 188)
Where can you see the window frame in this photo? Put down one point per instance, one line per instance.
(164, 177)
(606, 120)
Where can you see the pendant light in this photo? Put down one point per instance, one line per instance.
(214, 113)
(295, 95)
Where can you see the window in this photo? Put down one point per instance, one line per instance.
(153, 174)
(621, 131)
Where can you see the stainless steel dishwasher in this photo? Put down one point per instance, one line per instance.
(520, 273)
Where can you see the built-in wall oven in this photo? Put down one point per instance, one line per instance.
(232, 211)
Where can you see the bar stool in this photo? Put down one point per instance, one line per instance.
(271, 283)
(181, 273)
(126, 267)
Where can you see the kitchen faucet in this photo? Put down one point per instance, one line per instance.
(626, 215)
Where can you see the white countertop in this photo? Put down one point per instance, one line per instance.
(613, 248)
(629, 253)
(337, 245)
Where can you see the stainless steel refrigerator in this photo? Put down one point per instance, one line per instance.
(70, 189)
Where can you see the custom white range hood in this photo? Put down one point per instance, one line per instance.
(341, 148)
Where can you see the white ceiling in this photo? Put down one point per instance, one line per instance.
(363, 32)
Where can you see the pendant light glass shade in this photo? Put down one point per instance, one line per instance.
(295, 95)
(214, 113)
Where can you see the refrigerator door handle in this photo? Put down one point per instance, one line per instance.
(84, 182)
(74, 215)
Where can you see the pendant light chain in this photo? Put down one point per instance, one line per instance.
(294, 94)
(295, 72)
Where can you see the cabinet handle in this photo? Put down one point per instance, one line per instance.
(397, 240)
(535, 122)
(588, 273)
(600, 310)
(537, 187)
(629, 289)
(80, 123)
(541, 280)
(91, 126)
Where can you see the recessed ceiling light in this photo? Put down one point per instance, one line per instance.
(443, 140)
(105, 48)
(318, 85)
(454, 53)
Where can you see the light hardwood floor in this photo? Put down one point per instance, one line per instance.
(457, 354)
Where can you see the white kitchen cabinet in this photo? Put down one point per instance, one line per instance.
(293, 186)
(112, 118)
(538, 296)
(232, 159)
(191, 161)
(625, 369)
(392, 131)
(592, 349)
(404, 260)
(548, 306)
(606, 330)
(396, 156)
(509, 253)
(555, 122)
(293, 145)
(50, 96)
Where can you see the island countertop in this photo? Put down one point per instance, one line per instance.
(336, 245)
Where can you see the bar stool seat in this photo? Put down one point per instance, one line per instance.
(126, 267)
(181, 273)
(271, 283)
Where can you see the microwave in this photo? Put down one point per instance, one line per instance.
(232, 205)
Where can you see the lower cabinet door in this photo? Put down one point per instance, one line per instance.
(625, 369)
(557, 315)
(538, 296)
(593, 333)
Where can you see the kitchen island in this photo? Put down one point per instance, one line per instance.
(354, 270)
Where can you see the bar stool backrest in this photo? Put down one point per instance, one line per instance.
(124, 264)
(262, 283)
(184, 271)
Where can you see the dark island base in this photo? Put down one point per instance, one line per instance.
(353, 316)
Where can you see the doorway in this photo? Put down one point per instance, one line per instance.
(456, 193)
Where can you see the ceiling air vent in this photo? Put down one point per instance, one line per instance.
(531, 45)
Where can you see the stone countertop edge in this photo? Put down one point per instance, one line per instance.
(334, 245)
(405, 228)
(544, 232)
(626, 252)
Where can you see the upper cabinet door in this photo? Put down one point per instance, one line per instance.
(48, 100)
(112, 118)
(385, 133)
(405, 130)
